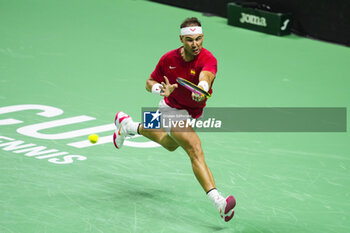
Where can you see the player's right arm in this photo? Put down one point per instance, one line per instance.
(165, 87)
(149, 84)
(158, 83)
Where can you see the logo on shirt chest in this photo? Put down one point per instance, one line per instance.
(193, 72)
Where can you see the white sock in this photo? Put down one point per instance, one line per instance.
(216, 198)
(132, 127)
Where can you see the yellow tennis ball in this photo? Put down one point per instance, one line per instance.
(93, 138)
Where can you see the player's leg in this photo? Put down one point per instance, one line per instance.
(190, 142)
(160, 136)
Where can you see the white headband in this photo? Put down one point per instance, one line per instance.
(191, 30)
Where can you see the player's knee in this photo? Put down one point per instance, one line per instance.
(196, 147)
(195, 151)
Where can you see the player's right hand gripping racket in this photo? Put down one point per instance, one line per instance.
(193, 87)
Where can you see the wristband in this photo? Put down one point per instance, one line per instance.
(205, 85)
(156, 89)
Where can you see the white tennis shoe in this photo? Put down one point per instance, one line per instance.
(121, 122)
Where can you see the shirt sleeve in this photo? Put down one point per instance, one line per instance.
(210, 65)
(158, 72)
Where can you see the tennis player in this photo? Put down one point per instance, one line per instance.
(199, 66)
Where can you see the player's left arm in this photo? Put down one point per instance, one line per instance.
(206, 78)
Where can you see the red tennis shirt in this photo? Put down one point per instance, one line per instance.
(172, 65)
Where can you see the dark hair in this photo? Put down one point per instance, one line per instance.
(193, 21)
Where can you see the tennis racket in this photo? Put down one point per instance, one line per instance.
(193, 87)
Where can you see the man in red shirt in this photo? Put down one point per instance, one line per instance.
(199, 66)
